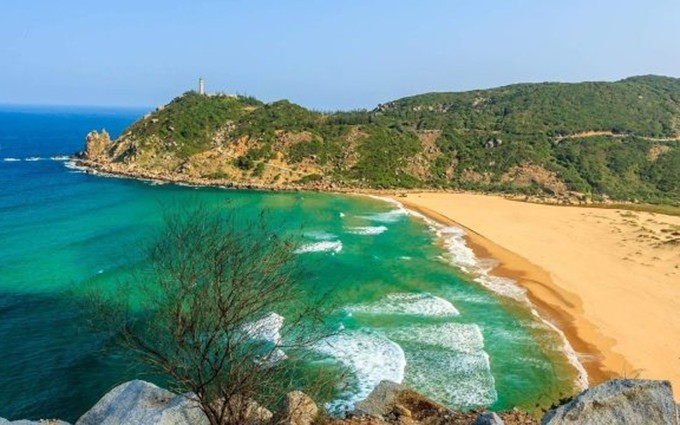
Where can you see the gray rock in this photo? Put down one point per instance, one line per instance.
(489, 418)
(142, 403)
(624, 401)
(245, 411)
(4, 421)
(381, 400)
(297, 409)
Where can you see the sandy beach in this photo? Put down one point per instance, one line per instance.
(608, 278)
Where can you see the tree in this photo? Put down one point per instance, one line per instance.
(209, 313)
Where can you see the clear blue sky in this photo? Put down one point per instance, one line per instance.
(322, 54)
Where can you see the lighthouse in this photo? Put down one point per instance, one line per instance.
(201, 87)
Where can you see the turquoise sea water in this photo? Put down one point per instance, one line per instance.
(410, 312)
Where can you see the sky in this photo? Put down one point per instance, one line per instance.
(326, 55)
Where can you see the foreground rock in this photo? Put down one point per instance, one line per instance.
(142, 403)
(297, 409)
(391, 403)
(245, 411)
(4, 421)
(624, 401)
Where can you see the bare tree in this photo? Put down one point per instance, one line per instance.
(209, 313)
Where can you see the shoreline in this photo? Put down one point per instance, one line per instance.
(108, 170)
(535, 280)
(607, 279)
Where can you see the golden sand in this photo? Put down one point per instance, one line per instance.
(609, 279)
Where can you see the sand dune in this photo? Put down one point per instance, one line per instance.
(610, 279)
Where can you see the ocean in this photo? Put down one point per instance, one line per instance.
(415, 303)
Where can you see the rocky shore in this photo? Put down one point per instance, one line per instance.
(626, 401)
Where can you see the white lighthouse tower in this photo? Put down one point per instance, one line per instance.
(201, 86)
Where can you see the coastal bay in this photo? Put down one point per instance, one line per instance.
(608, 278)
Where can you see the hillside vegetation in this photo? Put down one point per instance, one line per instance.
(593, 140)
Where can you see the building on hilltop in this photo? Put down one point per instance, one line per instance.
(201, 90)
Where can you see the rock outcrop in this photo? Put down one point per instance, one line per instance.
(381, 400)
(96, 145)
(297, 409)
(245, 411)
(624, 401)
(142, 403)
(489, 418)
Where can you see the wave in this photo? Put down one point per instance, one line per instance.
(323, 246)
(462, 256)
(407, 304)
(367, 230)
(319, 235)
(37, 158)
(268, 329)
(460, 337)
(448, 353)
(371, 358)
(73, 165)
(391, 216)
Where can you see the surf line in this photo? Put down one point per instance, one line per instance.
(462, 256)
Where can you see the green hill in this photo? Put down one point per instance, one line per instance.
(594, 140)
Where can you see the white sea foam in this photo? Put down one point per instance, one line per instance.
(372, 358)
(11, 159)
(323, 246)
(407, 304)
(456, 379)
(342, 215)
(73, 165)
(268, 329)
(449, 360)
(60, 158)
(391, 216)
(367, 230)
(462, 256)
(33, 158)
(461, 337)
(320, 235)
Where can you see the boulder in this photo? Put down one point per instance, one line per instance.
(622, 401)
(142, 403)
(397, 402)
(245, 411)
(297, 409)
(489, 418)
(4, 421)
(381, 400)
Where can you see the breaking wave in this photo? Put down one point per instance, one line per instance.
(407, 304)
(462, 256)
(371, 358)
(323, 246)
(367, 230)
(446, 353)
